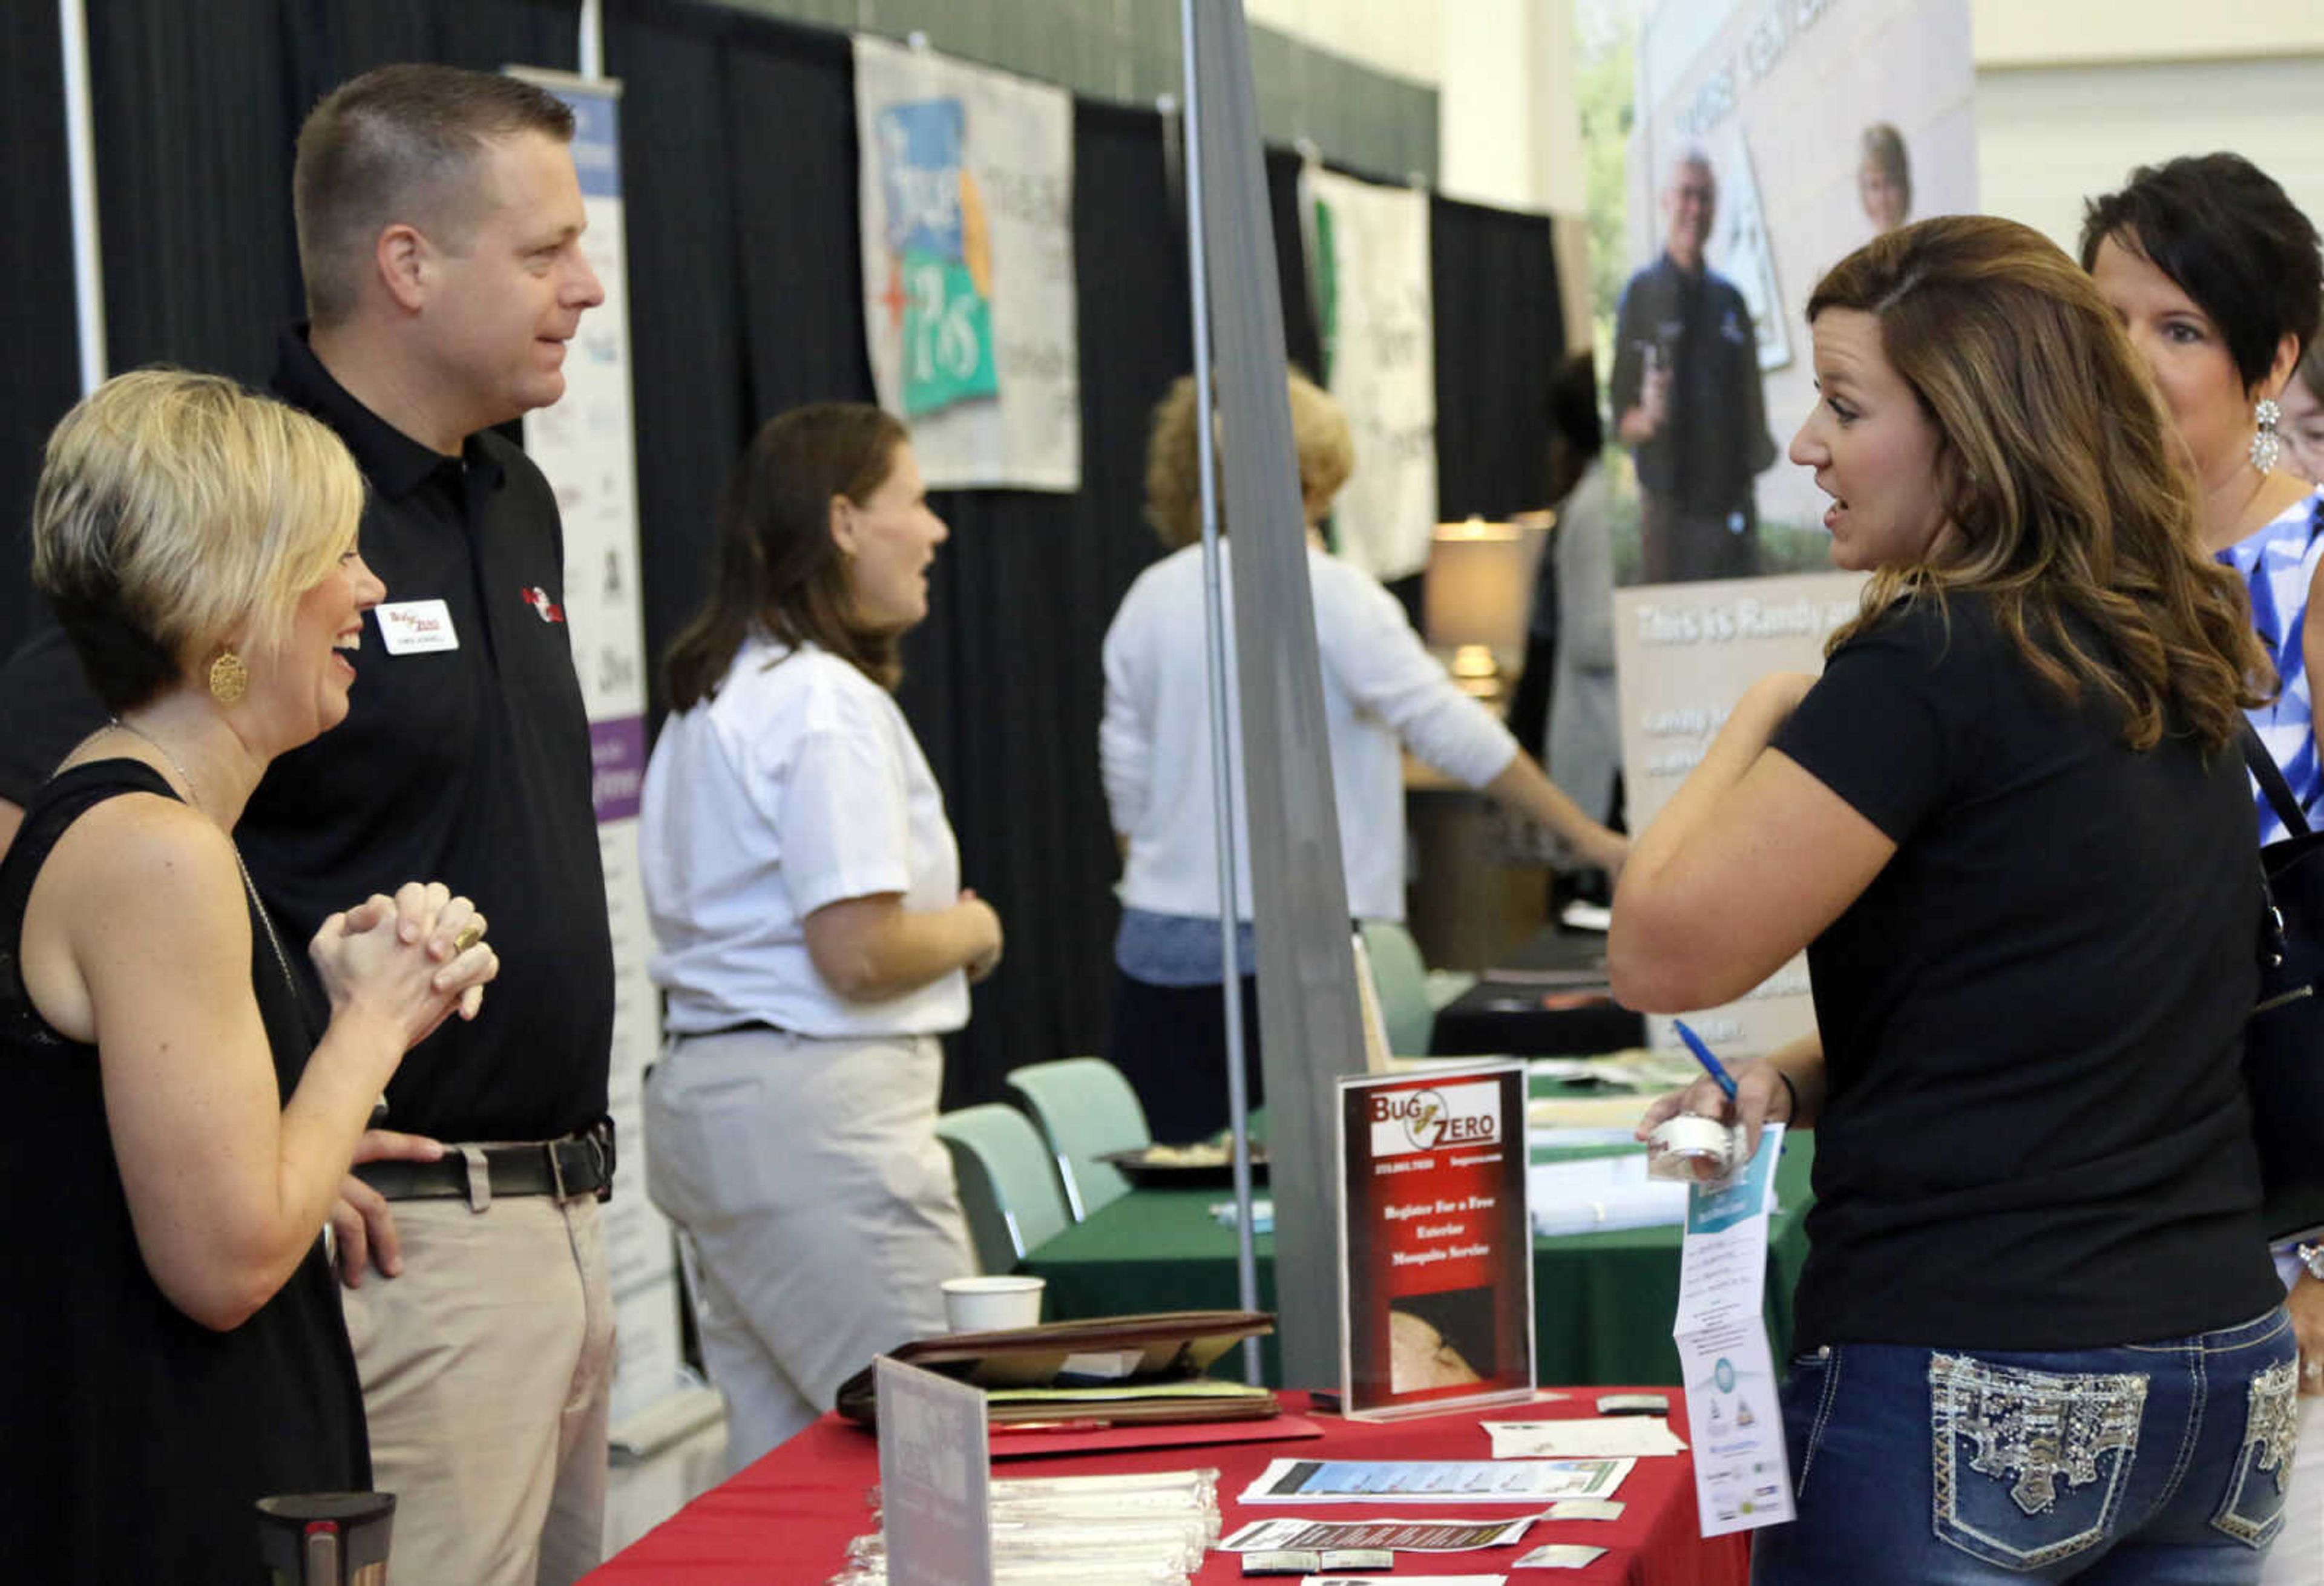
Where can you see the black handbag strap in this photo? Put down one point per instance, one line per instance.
(2264, 770)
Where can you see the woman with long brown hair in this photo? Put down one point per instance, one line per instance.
(2040, 1335)
(812, 936)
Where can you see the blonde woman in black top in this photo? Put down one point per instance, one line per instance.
(178, 1128)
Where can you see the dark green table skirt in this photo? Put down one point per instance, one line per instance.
(1602, 1302)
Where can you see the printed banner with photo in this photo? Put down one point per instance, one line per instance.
(1368, 256)
(967, 181)
(585, 445)
(1771, 138)
(1435, 1251)
(1683, 658)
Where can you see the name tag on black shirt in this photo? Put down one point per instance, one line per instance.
(416, 627)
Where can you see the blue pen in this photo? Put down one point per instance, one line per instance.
(1710, 1064)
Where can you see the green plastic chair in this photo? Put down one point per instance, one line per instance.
(1007, 1189)
(1401, 981)
(1085, 1110)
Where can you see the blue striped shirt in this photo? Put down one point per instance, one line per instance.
(2277, 563)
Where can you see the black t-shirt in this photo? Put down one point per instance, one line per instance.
(142, 1437)
(468, 764)
(2036, 1134)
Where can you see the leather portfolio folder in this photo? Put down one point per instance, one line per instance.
(1108, 1371)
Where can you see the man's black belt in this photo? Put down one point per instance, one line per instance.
(577, 1165)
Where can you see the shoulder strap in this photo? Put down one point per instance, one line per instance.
(2264, 770)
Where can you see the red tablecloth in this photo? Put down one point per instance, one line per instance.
(788, 1518)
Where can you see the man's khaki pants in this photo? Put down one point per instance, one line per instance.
(485, 1369)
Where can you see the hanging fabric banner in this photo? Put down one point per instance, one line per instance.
(967, 181)
(1369, 260)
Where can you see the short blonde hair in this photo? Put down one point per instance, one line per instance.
(1173, 488)
(177, 512)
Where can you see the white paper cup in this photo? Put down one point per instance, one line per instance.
(991, 1305)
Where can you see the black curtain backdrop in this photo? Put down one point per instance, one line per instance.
(756, 305)
(740, 174)
(40, 377)
(197, 108)
(1500, 334)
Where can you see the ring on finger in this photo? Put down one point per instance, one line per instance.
(470, 935)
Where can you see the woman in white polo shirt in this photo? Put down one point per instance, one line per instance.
(1383, 694)
(812, 934)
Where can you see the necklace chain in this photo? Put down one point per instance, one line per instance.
(193, 797)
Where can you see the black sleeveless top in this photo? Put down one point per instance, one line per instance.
(139, 1438)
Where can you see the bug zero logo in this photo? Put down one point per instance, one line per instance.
(1405, 1121)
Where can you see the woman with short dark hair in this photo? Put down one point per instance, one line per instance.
(2215, 273)
(812, 933)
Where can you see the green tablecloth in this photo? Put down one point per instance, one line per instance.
(1602, 1302)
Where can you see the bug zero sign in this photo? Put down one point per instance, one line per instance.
(1436, 1244)
(1407, 1121)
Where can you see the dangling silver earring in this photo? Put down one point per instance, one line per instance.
(2266, 446)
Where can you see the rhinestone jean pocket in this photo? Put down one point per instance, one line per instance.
(2029, 1464)
(2252, 1512)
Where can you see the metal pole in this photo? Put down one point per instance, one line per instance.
(1309, 1024)
(81, 165)
(592, 53)
(1223, 748)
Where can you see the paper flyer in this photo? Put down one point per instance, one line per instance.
(1562, 1555)
(1398, 1535)
(1741, 1479)
(1435, 1250)
(1435, 1480)
(1572, 1439)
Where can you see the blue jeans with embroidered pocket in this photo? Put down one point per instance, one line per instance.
(2162, 1464)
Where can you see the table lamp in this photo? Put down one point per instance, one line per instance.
(1477, 597)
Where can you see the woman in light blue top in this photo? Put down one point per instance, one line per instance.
(2215, 275)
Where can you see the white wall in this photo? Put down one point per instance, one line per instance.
(2072, 93)
(1508, 133)
(1507, 129)
(2052, 32)
(1400, 37)
(2048, 137)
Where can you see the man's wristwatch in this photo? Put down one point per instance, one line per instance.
(2311, 1256)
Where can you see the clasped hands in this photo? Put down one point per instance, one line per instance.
(414, 958)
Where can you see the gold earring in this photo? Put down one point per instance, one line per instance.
(229, 677)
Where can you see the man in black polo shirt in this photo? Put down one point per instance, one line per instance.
(439, 225)
(1686, 398)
